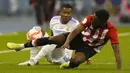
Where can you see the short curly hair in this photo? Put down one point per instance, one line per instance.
(102, 14)
(66, 6)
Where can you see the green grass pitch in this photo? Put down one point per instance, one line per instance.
(103, 62)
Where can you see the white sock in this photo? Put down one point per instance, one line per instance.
(33, 52)
(89, 58)
(44, 50)
(33, 43)
(22, 46)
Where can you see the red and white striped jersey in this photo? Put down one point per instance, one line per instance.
(96, 38)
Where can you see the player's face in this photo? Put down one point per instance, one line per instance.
(66, 14)
(97, 23)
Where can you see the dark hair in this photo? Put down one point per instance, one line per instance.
(66, 6)
(102, 14)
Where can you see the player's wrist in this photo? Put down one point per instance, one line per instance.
(67, 42)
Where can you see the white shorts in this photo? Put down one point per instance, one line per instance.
(59, 56)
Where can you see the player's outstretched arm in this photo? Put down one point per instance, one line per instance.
(72, 35)
(116, 50)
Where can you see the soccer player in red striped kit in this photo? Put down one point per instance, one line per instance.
(87, 39)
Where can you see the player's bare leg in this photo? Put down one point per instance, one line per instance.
(76, 60)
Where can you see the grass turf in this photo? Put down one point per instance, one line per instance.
(103, 62)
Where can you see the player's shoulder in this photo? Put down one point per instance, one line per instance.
(55, 17)
(74, 20)
(110, 25)
(87, 20)
(90, 17)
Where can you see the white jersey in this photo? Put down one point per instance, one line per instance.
(57, 27)
(55, 56)
(60, 56)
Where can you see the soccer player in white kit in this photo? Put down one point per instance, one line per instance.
(58, 24)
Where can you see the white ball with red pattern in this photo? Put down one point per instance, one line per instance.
(34, 33)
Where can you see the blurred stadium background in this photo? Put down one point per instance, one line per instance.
(18, 16)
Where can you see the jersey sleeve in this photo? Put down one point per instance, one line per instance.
(86, 21)
(77, 22)
(75, 25)
(51, 24)
(113, 34)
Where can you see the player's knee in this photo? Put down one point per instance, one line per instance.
(48, 48)
(59, 40)
(45, 41)
(74, 63)
(42, 41)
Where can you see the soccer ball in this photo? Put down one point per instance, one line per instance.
(34, 33)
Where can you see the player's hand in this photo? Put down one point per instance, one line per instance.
(118, 68)
(66, 45)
